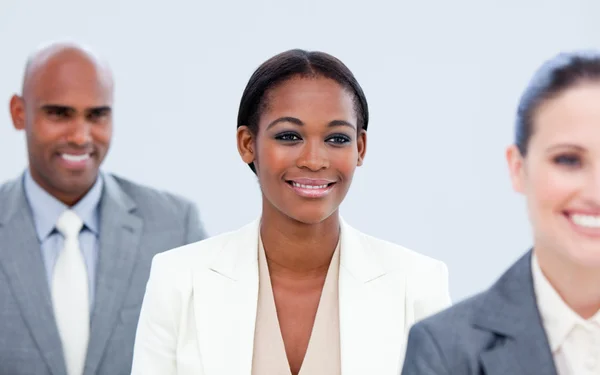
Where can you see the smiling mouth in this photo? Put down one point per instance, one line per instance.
(312, 189)
(585, 224)
(76, 158)
(585, 221)
(305, 186)
(75, 161)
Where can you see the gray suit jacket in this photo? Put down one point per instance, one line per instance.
(496, 332)
(136, 223)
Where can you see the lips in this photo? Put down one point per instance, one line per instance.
(585, 223)
(75, 160)
(311, 188)
(585, 220)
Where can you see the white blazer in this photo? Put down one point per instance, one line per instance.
(199, 309)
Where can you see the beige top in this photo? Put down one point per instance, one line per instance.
(323, 352)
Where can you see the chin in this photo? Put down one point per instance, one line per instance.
(77, 185)
(309, 217)
(586, 255)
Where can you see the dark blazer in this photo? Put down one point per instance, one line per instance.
(496, 332)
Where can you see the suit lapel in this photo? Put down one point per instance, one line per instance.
(21, 260)
(510, 311)
(521, 356)
(120, 231)
(225, 302)
(371, 310)
(371, 314)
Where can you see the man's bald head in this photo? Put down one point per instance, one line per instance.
(48, 58)
(66, 112)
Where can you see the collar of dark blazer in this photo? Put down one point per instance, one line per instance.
(509, 307)
(509, 311)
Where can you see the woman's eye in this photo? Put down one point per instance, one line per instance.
(287, 137)
(568, 160)
(338, 139)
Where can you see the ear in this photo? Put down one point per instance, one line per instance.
(362, 146)
(245, 144)
(516, 168)
(17, 112)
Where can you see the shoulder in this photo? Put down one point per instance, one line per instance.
(423, 280)
(148, 199)
(194, 257)
(9, 186)
(12, 198)
(449, 341)
(456, 320)
(454, 331)
(397, 258)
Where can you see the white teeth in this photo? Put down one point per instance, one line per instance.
(587, 221)
(75, 158)
(309, 186)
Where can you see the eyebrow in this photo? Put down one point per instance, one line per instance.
(101, 109)
(47, 107)
(564, 146)
(298, 122)
(60, 107)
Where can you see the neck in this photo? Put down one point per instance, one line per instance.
(296, 249)
(577, 285)
(69, 199)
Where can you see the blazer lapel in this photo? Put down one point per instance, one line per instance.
(518, 357)
(371, 310)
(225, 302)
(120, 232)
(21, 260)
(510, 310)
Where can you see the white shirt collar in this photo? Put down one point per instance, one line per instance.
(557, 317)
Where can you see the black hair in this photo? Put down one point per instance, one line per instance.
(556, 75)
(290, 64)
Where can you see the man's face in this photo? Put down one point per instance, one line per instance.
(66, 114)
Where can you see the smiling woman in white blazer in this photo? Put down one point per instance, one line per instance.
(297, 291)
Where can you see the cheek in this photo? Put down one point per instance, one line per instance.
(551, 189)
(102, 134)
(344, 161)
(44, 133)
(274, 159)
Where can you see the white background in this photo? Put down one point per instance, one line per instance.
(442, 79)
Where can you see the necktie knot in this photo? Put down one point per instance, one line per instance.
(69, 224)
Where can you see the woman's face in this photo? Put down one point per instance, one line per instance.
(306, 149)
(560, 176)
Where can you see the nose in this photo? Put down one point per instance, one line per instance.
(590, 186)
(313, 156)
(80, 132)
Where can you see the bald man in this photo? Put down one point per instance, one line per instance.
(76, 243)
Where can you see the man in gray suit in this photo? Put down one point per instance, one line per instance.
(76, 244)
(496, 332)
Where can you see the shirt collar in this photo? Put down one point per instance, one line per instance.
(47, 209)
(558, 318)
